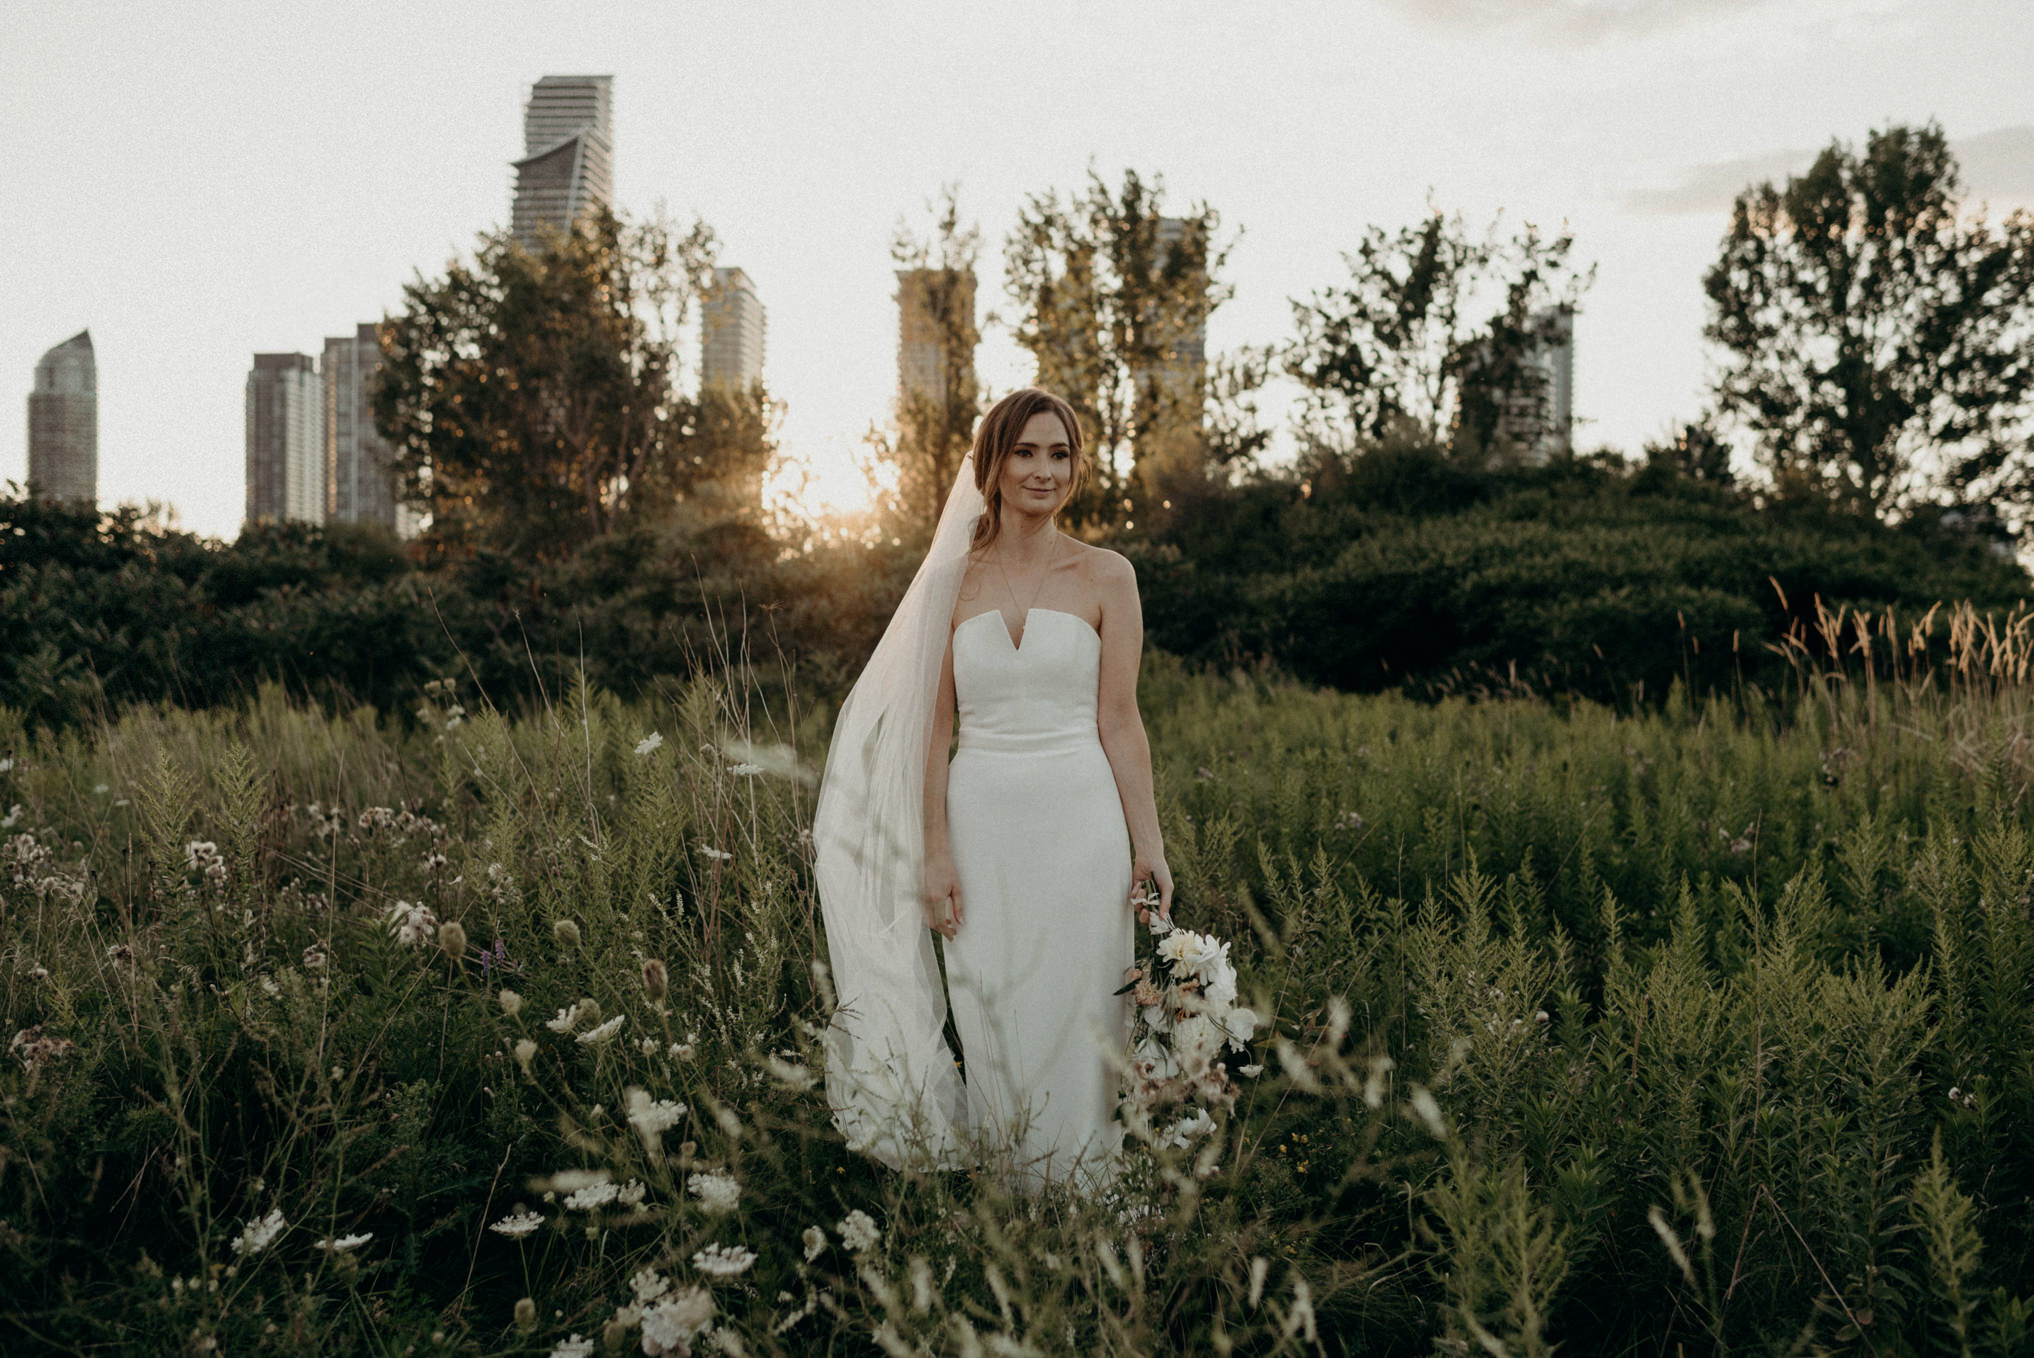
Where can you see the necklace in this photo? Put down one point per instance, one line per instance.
(1024, 611)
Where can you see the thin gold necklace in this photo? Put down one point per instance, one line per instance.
(1024, 616)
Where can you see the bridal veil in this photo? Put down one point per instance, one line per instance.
(890, 1076)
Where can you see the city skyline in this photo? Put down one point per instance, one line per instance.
(803, 145)
(63, 422)
(733, 332)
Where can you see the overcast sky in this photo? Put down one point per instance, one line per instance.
(199, 182)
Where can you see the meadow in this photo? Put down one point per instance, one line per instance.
(1703, 1028)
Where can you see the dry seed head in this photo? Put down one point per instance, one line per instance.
(526, 1314)
(452, 938)
(525, 1049)
(566, 932)
(511, 1002)
(589, 1010)
(656, 979)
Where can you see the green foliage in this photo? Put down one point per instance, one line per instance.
(936, 410)
(1876, 330)
(1606, 1033)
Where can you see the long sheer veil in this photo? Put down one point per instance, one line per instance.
(890, 1076)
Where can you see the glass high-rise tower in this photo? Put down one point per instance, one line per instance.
(567, 169)
(285, 439)
(63, 423)
(359, 476)
(731, 333)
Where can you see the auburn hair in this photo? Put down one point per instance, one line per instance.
(997, 435)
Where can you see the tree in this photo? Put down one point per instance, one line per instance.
(1440, 329)
(530, 397)
(938, 396)
(1113, 300)
(1878, 340)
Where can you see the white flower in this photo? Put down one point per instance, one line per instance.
(6, 766)
(723, 1261)
(604, 1031)
(518, 1224)
(1241, 1026)
(815, 1243)
(717, 855)
(260, 1233)
(717, 1191)
(1250, 1072)
(1197, 1036)
(1181, 1133)
(575, 1347)
(567, 1016)
(414, 925)
(648, 1286)
(858, 1232)
(672, 1322)
(199, 853)
(631, 1193)
(745, 770)
(591, 1196)
(649, 743)
(652, 1116)
(346, 1242)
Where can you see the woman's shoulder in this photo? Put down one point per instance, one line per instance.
(1104, 565)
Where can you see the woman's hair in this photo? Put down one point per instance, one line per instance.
(998, 434)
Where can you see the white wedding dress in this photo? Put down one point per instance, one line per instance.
(1036, 828)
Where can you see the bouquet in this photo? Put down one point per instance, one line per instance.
(1189, 1040)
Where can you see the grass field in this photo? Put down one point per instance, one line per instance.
(1704, 1030)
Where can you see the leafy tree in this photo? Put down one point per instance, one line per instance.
(1876, 335)
(1438, 328)
(1113, 299)
(531, 397)
(938, 406)
(726, 440)
(1696, 453)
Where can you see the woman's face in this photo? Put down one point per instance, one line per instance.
(1040, 468)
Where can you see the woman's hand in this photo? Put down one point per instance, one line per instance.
(942, 884)
(1152, 869)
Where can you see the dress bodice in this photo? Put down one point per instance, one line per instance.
(1035, 698)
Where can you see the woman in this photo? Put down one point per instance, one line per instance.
(1024, 855)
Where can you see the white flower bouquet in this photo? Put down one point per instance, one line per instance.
(1189, 1040)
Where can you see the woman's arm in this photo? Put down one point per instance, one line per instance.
(942, 883)
(1122, 728)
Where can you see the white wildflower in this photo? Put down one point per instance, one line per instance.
(605, 1031)
(717, 855)
(591, 1196)
(724, 1261)
(518, 1224)
(651, 1117)
(511, 1002)
(260, 1233)
(6, 766)
(567, 1017)
(670, 1325)
(649, 743)
(413, 925)
(745, 770)
(1182, 1133)
(815, 1243)
(858, 1232)
(346, 1242)
(631, 1193)
(575, 1347)
(648, 1286)
(1241, 1025)
(717, 1191)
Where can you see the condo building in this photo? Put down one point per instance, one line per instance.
(359, 470)
(567, 169)
(63, 423)
(924, 298)
(731, 333)
(285, 440)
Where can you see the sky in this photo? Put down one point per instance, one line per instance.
(197, 183)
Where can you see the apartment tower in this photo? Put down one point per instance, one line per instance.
(567, 169)
(731, 333)
(359, 468)
(932, 303)
(63, 423)
(285, 440)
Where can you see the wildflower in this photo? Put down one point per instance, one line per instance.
(121, 954)
(648, 1286)
(575, 1347)
(815, 1243)
(452, 938)
(259, 1234)
(566, 932)
(565, 1019)
(518, 1223)
(412, 924)
(651, 1117)
(1146, 995)
(670, 1325)
(315, 958)
(717, 1191)
(1300, 1319)
(650, 743)
(6, 766)
(724, 1261)
(1241, 1025)
(36, 1051)
(745, 770)
(1429, 1112)
(99, 788)
(525, 1049)
(593, 1036)
(345, 1242)
(526, 1314)
(631, 1193)
(1182, 1133)
(38, 972)
(1259, 1267)
(858, 1232)
(511, 1002)
(717, 855)
(656, 979)
(199, 853)
(591, 1196)
(788, 1073)
(12, 818)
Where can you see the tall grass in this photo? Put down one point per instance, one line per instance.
(1703, 1030)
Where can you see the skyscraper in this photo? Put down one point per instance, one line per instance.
(567, 169)
(932, 304)
(1540, 425)
(285, 440)
(1170, 392)
(63, 423)
(359, 475)
(731, 333)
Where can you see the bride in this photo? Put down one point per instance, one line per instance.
(1025, 853)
